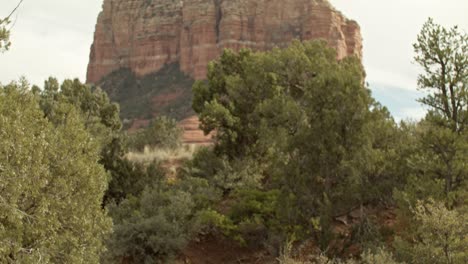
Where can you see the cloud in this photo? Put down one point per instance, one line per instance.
(401, 102)
(389, 28)
(391, 78)
(411, 113)
(50, 37)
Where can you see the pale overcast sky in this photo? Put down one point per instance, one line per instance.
(53, 37)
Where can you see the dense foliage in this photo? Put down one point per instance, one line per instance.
(162, 132)
(51, 183)
(305, 126)
(153, 226)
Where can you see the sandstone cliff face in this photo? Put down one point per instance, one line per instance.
(146, 35)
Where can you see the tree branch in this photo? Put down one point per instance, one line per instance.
(14, 10)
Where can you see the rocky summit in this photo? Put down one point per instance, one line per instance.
(145, 35)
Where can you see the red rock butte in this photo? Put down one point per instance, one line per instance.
(192, 133)
(145, 35)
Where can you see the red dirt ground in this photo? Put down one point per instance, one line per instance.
(218, 250)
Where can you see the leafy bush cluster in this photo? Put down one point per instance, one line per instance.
(51, 179)
(298, 124)
(153, 224)
(300, 141)
(162, 132)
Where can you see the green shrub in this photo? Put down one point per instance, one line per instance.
(379, 256)
(162, 132)
(223, 174)
(130, 179)
(367, 233)
(157, 218)
(439, 235)
(151, 228)
(51, 183)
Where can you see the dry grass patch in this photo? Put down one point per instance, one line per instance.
(170, 159)
(160, 155)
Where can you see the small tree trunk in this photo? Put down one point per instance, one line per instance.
(446, 249)
(448, 180)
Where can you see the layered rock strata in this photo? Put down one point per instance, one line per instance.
(146, 35)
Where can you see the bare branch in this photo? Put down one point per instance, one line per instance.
(14, 10)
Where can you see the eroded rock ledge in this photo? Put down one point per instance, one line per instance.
(145, 35)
